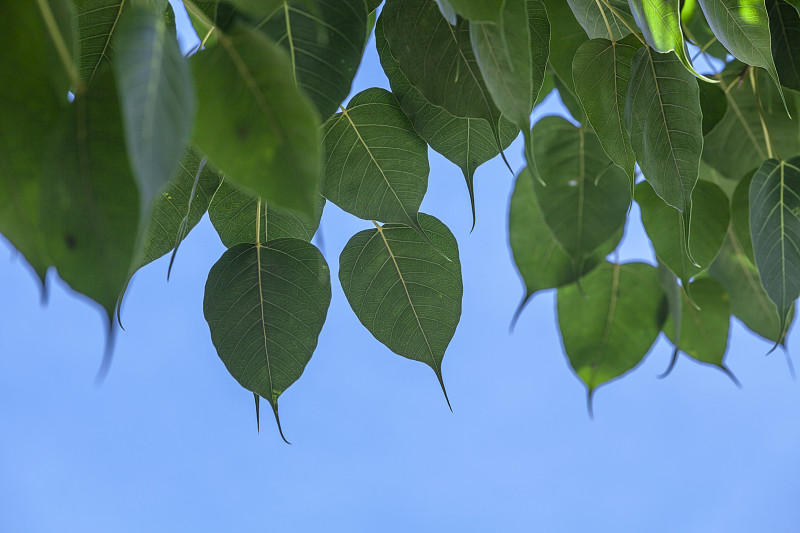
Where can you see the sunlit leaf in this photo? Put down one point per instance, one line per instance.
(775, 229)
(404, 291)
(609, 326)
(252, 122)
(376, 166)
(265, 305)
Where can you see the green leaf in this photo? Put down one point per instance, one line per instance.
(740, 215)
(234, 214)
(704, 326)
(257, 9)
(609, 327)
(583, 196)
(707, 173)
(784, 28)
(376, 166)
(569, 99)
(737, 145)
(600, 71)
(512, 57)
(265, 305)
(538, 256)
(157, 98)
(252, 122)
(749, 301)
(664, 119)
(742, 26)
(91, 204)
(403, 290)
(98, 21)
(674, 297)
(437, 59)
(177, 204)
(324, 40)
(663, 224)
(597, 19)
(697, 30)
(714, 105)
(775, 229)
(466, 142)
(487, 10)
(567, 36)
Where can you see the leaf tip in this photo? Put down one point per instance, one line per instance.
(671, 364)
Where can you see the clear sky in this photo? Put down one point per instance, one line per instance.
(169, 442)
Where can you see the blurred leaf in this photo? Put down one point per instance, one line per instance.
(596, 18)
(265, 305)
(784, 27)
(740, 215)
(252, 122)
(609, 327)
(324, 40)
(234, 214)
(403, 290)
(376, 166)
(157, 98)
(714, 105)
(98, 21)
(488, 10)
(775, 229)
(583, 196)
(600, 72)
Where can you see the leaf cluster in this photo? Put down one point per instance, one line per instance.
(114, 145)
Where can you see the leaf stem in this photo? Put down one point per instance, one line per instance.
(771, 150)
(61, 45)
(624, 22)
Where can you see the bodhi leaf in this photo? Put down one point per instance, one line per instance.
(663, 224)
(265, 305)
(583, 196)
(466, 142)
(567, 36)
(487, 10)
(437, 59)
(714, 105)
(707, 173)
(570, 100)
(600, 72)
(784, 28)
(156, 95)
(91, 203)
(697, 31)
(737, 145)
(749, 301)
(597, 19)
(704, 326)
(252, 122)
(98, 21)
(376, 166)
(324, 40)
(609, 327)
(742, 26)
(177, 204)
(775, 229)
(662, 112)
(674, 297)
(403, 290)
(539, 258)
(740, 215)
(233, 212)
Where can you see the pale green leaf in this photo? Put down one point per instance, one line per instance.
(253, 123)
(403, 289)
(376, 166)
(265, 305)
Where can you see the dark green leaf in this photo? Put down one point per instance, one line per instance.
(567, 36)
(664, 119)
(324, 39)
(156, 95)
(403, 290)
(600, 72)
(234, 214)
(674, 297)
(540, 259)
(583, 196)
(98, 21)
(609, 327)
(91, 205)
(740, 215)
(775, 229)
(265, 305)
(664, 226)
(376, 166)
(252, 122)
(467, 142)
(784, 28)
(437, 59)
(713, 103)
(599, 21)
(704, 327)
(477, 9)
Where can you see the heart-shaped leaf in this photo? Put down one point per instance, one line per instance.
(265, 305)
(404, 291)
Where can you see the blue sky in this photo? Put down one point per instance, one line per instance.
(168, 442)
